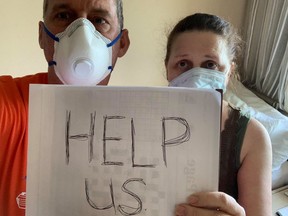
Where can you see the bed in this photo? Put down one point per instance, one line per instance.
(275, 122)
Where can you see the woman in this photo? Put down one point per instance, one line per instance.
(202, 51)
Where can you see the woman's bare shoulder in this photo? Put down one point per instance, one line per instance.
(256, 140)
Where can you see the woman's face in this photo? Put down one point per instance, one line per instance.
(197, 49)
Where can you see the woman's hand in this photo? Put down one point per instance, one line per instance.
(210, 203)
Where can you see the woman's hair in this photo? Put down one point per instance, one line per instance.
(207, 22)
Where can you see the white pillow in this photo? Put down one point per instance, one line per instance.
(275, 123)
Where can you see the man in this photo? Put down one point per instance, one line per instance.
(80, 16)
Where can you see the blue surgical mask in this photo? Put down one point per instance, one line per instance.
(200, 78)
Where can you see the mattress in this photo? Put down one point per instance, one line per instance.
(280, 176)
(275, 123)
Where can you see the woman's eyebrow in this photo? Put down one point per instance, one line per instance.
(181, 55)
(211, 56)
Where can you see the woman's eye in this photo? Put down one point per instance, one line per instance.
(183, 65)
(210, 65)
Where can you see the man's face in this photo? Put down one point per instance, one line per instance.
(61, 13)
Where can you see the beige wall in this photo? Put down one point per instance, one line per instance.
(147, 21)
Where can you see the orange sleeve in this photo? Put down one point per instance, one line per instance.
(13, 142)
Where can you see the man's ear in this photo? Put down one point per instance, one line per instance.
(124, 43)
(40, 34)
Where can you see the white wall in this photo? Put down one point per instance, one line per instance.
(19, 50)
(148, 22)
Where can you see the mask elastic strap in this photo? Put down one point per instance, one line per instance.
(115, 40)
(110, 68)
(51, 63)
(50, 34)
(111, 44)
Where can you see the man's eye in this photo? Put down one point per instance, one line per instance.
(63, 16)
(100, 24)
(99, 21)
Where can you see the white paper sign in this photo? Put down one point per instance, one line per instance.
(120, 150)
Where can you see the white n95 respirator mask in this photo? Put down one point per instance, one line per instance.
(200, 78)
(82, 56)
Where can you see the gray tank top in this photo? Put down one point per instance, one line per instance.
(230, 148)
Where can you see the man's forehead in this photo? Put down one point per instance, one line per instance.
(108, 5)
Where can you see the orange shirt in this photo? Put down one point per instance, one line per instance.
(14, 93)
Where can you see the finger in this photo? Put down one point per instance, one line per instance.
(217, 200)
(186, 210)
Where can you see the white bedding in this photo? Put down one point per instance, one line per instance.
(280, 176)
(275, 123)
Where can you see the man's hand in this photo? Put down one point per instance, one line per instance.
(210, 203)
